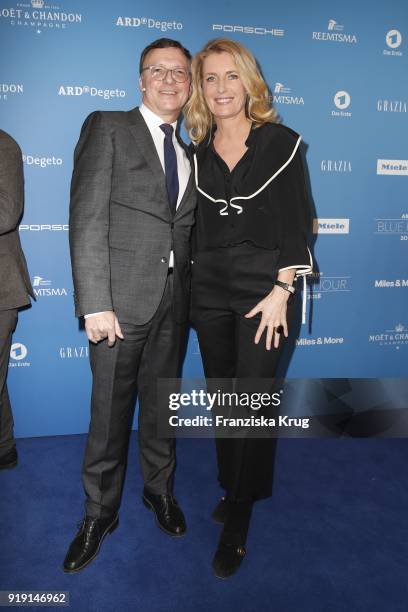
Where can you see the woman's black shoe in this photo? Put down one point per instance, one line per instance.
(231, 547)
(227, 559)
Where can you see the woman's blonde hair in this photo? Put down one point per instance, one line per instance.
(198, 117)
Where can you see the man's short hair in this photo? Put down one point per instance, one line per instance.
(163, 43)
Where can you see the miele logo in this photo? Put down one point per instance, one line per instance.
(393, 40)
(335, 33)
(331, 226)
(148, 22)
(335, 165)
(260, 31)
(283, 95)
(392, 166)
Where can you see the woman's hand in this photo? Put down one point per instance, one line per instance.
(273, 309)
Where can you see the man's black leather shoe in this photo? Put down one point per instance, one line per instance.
(9, 460)
(87, 542)
(169, 515)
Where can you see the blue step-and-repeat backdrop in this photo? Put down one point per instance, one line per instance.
(339, 76)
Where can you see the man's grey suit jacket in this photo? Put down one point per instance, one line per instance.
(121, 227)
(15, 285)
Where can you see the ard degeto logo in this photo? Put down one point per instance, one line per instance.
(41, 162)
(84, 90)
(163, 25)
(39, 16)
(284, 95)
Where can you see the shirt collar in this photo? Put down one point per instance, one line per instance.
(253, 133)
(152, 120)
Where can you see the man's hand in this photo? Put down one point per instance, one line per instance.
(103, 325)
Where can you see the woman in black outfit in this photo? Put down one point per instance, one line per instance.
(250, 243)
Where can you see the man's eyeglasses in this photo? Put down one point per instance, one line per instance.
(159, 73)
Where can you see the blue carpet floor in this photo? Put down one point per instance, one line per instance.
(334, 536)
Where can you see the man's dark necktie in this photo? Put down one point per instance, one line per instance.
(170, 166)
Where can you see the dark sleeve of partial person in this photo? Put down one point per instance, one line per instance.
(11, 185)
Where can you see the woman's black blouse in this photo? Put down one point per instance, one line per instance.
(263, 200)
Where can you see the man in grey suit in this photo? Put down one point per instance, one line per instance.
(15, 285)
(132, 209)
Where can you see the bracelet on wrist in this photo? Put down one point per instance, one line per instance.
(290, 288)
